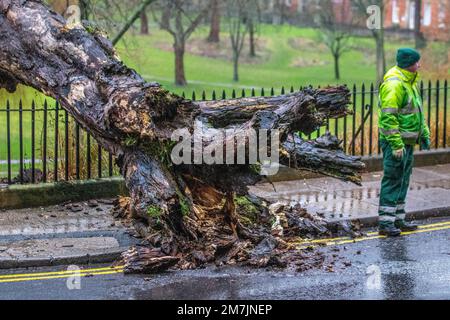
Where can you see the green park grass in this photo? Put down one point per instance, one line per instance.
(273, 68)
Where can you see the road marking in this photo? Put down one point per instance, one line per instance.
(425, 226)
(119, 269)
(60, 276)
(346, 240)
(7, 276)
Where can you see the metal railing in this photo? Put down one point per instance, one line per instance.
(42, 144)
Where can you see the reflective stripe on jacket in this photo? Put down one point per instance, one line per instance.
(400, 117)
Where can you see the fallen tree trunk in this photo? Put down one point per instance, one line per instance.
(182, 209)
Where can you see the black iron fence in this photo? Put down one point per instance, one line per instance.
(44, 143)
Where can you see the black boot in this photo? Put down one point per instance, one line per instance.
(388, 230)
(405, 226)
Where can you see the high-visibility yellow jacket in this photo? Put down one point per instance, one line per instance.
(400, 116)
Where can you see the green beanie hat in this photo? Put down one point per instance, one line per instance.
(406, 57)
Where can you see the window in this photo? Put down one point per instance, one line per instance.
(395, 9)
(412, 15)
(427, 14)
(441, 16)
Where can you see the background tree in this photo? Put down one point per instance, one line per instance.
(129, 22)
(278, 11)
(253, 21)
(335, 34)
(85, 8)
(144, 23)
(377, 33)
(238, 14)
(180, 18)
(214, 31)
(418, 35)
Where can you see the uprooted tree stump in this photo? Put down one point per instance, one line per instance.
(187, 212)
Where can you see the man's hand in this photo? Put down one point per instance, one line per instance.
(398, 154)
(425, 143)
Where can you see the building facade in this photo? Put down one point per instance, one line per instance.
(398, 15)
(435, 17)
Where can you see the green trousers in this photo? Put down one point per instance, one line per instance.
(395, 184)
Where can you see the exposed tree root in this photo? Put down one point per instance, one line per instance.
(238, 232)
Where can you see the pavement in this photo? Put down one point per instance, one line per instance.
(83, 232)
(428, 196)
(415, 265)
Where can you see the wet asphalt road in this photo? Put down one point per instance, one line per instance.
(415, 266)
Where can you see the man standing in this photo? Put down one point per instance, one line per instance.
(402, 125)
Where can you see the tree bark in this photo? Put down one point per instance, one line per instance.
(337, 73)
(214, 31)
(251, 29)
(180, 78)
(379, 42)
(179, 209)
(418, 35)
(84, 9)
(235, 67)
(380, 56)
(144, 23)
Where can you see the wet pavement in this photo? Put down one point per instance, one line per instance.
(414, 266)
(58, 219)
(75, 232)
(337, 200)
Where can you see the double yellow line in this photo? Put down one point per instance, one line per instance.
(59, 274)
(8, 278)
(304, 244)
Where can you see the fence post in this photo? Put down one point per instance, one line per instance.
(8, 137)
(336, 127)
(77, 151)
(33, 125)
(429, 104)
(55, 168)
(66, 145)
(21, 140)
(371, 119)
(445, 113)
(437, 115)
(363, 101)
(88, 154)
(354, 120)
(99, 160)
(110, 164)
(44, 149)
